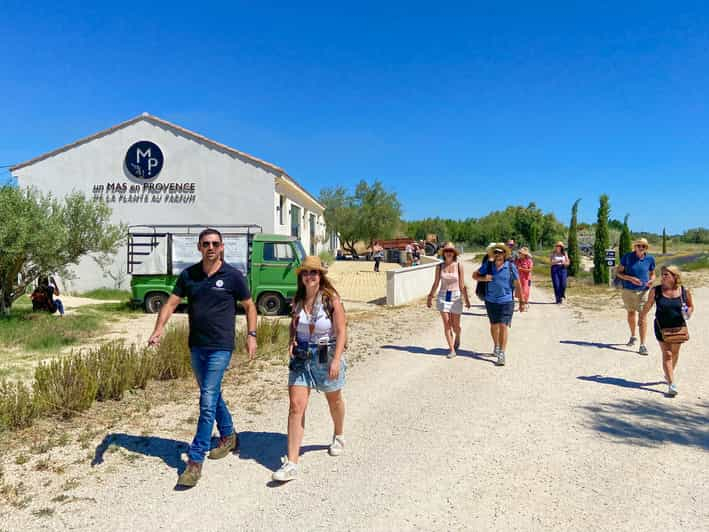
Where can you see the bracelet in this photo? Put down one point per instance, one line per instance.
(252, 333)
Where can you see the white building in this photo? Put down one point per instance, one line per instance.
(153, 172)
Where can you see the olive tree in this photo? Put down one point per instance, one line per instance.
(40, 234)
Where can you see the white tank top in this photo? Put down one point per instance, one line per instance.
(323, 324)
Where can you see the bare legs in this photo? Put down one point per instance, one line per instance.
(447, 318)
(455, 326)
(670, 356)
(299, 396)
(633, 322)
(499, 333)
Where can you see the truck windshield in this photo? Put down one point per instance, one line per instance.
(300, 251)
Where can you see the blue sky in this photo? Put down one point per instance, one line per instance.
(461, 108)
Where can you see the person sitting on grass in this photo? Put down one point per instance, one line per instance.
(43, 299)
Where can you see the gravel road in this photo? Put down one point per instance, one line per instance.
(573, 434)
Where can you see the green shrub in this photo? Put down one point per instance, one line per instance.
(114, 365)
(17, 406)
(171, 359)
(107, 294)
(327, 257)
(66, 385)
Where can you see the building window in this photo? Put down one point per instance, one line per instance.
(281, 209)
(295, 221)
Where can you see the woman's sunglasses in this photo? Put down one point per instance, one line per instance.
(310, 273)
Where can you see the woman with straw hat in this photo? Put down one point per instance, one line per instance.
(502, 280)
(674, 307)
(637, 271)
(450, 296)
(560, 261)
(524, 264)
(317, 342)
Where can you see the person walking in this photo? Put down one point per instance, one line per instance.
(512, 246)
(449, 276)
(674, 306)
(560, 261)
(524, 264)
(377, 255)
(637, 271)
(317, 344)
(212, 287)
(502, 280)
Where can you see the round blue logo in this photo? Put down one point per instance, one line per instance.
(144, 160)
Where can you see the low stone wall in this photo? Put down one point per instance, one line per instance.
(409, 284)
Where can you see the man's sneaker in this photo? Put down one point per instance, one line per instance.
(633, 340)
(642, 350)
(451, 354)
(500, 358)
(191, 475)
(337, 447)
(226, 445)
(672, 390)
(287, 472)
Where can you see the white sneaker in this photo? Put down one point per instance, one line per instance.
(632, 341)
(500, 358)
(451, 354)
(288, 471)
(337, 447)
(672, 390)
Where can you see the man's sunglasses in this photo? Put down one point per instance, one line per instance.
(311, 272)
(640, 246)
(211, 243)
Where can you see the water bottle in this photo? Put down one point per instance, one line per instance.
(685, 311)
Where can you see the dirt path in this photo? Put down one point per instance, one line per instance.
(573, 434)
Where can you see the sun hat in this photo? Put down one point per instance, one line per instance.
(311, 262)
(448, 246)
(561, 244)
(501, 246)
(641, 242)
(524, 250)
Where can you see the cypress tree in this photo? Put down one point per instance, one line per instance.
(664, 241)
(600, 269)
(573, 243)
(625, 243)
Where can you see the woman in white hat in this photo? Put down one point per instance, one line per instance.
(560, 261)
(502, 280)
(318, 338)
(452, 291)
(524, 264)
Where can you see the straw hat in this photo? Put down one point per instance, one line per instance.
(641, 242)
(560, 244)
(449, 247)
(311, 262)
(501, 246)
(524, 250)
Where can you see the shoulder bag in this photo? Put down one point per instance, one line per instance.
(481, 286)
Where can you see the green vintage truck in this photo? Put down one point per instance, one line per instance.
(158, 253)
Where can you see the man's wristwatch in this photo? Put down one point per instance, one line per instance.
(252, 333)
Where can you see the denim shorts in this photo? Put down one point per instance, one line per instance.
(311, 374)
(500, 312)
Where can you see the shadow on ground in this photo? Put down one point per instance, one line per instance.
(599, 345)
(266, 448)
(623, 383)
(418, 350)
(650, 423)
(164, 448)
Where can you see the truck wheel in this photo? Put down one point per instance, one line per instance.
(271, 304)
(154, 302)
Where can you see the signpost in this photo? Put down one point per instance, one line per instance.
(610, 261)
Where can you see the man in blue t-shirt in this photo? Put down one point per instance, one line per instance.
(637, 270)
(213, 288)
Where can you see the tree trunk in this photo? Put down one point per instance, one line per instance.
(5, 304)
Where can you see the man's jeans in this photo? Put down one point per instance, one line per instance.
(209, 366)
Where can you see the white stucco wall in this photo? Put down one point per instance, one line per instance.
(228, 189)
(409, 284)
